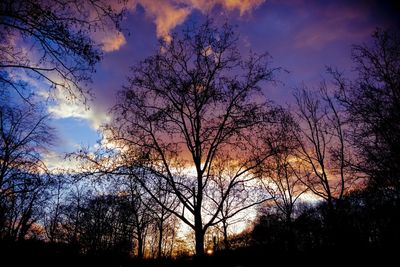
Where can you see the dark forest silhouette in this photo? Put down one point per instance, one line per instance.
(198, 102)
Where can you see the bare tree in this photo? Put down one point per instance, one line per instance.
(231, 209)
(193, 102)
(24, 135)
(56, 35)
(284, 184)
(322, 146)
(52, 219)
(160, 214)
(141, 215)
(372, 102)
(282, 172)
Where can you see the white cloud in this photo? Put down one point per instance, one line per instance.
(64, 108)
(73, 110)
(57, 163)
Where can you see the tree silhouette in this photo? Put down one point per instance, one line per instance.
(189, 105)
(24, 135)
(57, 36)
(284, 185)
(323, 149)
(239, 196)
(52, 218)
(372, 102)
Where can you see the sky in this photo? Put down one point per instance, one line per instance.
(303, 37)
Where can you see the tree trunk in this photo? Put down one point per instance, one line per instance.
(199, 242)
(331, 207)
(198, 221)
(160, 239)
(140, 247)
(291, 243)
(332, 234)
(226, 241)
(199, 234)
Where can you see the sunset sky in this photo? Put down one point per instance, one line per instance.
(302, 36)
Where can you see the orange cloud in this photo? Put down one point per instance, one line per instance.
(170, 13)
(167, 14)
(110, 39)
(242, 5)
(113, 43)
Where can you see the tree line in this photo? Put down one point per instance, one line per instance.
(195, 143)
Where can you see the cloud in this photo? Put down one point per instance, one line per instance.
(109, 39)
(170, 13)
(167, 14)
(113, 43)
(104, 32)
(64, 108)
(242, 5)
(57, 163)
